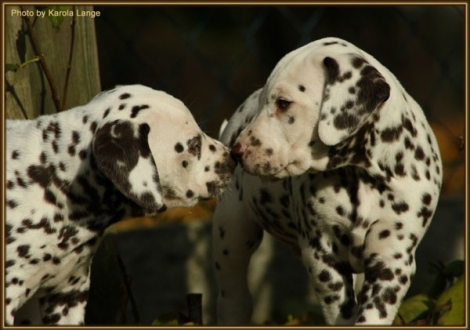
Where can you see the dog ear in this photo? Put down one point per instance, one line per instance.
(123, 155)
(350, 96)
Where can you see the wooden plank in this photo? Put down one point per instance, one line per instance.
(28, 92)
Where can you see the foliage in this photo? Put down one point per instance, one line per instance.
(55, 15)
(15, 67)
(443, 304)
(56, 20)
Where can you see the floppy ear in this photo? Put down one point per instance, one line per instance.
(123, 155)
(352, 92)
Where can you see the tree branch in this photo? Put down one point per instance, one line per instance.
(132, 301)
(69, 64)
(42, 61)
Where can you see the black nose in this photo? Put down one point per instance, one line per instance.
(237, 153)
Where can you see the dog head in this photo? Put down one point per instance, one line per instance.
(154, 152)
(316, 97)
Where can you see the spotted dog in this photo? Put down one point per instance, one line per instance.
(338, 161)
(131, 151)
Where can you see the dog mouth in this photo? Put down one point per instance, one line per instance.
(224, 170)
(225, 167)
(266, 172)
(215, 188)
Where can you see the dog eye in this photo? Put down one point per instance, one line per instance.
(282, 104)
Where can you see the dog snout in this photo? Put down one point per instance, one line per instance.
(237, 153)
(229, 162)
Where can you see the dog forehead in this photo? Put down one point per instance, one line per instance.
(299, 76)
(165, 102)
(294, 63)
(164, 108)
(156, 98)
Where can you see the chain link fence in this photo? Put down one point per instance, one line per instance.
(213, 57)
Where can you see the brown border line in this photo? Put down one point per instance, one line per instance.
(224, 3)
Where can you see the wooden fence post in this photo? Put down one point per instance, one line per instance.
(28, 94)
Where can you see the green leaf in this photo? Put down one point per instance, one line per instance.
(414, 308)
(456, 295)
(11, 67)
(445, 277)
(56, 19)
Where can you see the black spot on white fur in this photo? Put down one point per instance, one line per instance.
(383, 155)
(81, 174)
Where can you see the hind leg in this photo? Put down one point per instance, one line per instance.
(332, 281)
(235, 238)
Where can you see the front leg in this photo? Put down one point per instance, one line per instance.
(235, 238)
(65, 303)
(389, 268)
(331, 279)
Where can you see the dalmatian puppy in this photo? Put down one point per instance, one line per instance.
(131, 151)
(337, 160)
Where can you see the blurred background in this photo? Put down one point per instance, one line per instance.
(212, 58)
